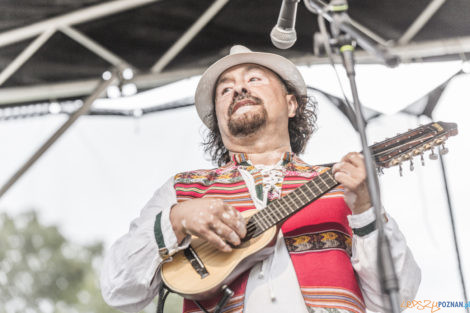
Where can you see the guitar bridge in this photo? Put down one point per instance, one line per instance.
(195, 262)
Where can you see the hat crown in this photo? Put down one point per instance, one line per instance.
(239, 49)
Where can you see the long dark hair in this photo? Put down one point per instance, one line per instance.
(301, 127)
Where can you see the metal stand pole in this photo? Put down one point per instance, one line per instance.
(81, 111)
(344, 32)
(454, 233)
(389, 280)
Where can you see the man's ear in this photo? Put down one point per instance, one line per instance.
(291, 105)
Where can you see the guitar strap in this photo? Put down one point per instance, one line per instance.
(162, 295)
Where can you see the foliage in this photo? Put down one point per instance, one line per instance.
(42, 272)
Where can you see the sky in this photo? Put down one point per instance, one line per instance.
(99, 175)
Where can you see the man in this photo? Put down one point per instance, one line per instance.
(324, 259)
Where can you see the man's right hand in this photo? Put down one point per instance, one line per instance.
(210, 219)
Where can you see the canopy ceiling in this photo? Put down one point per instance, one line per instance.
(140, 32)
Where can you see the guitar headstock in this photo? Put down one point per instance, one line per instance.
(404, 147)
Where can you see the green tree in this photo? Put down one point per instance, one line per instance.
(42, 272)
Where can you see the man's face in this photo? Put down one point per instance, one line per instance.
(248, 97)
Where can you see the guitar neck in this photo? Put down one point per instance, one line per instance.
(390, 152)
(282, 208)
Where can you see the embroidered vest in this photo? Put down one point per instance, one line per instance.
(318, 237)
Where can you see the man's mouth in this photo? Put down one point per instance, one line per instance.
(242, 103)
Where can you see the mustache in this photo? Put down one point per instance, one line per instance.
(241, 97)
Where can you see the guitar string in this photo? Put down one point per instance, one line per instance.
(276, 211)
(277, 206)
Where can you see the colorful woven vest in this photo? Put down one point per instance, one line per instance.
(317, 237)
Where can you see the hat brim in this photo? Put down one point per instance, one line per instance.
(205, 89)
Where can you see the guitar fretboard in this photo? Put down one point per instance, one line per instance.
(280, 209)
(390, 152)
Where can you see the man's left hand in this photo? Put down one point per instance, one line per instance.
(351, 173)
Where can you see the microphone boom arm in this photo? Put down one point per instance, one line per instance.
(342, 22)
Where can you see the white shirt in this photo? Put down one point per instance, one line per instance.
(130, 277)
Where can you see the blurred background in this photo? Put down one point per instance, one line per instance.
(67, 195)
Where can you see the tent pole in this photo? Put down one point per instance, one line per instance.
(76, 17)
(93, 46)
(189, 35)
(25, 55)
(81, 111)
(368, 32)
(420, 21)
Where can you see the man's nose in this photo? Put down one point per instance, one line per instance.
(240, 89)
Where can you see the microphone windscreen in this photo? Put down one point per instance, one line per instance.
(283, 38)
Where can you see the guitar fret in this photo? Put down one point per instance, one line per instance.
(277, 212)
(303, 193)
(284, 211)
(268, 212)
(331, 178)
(260, 220)
(307, 192)
(298, 202)
(267, 217)
(311, 192)
(311, 184)
(255, 220)
(291, 206)
(286, 205)
(321, 178)
(295, 194)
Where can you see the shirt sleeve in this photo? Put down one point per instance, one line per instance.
(130, 277)
(364, 261)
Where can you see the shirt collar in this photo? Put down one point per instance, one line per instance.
(242, 158)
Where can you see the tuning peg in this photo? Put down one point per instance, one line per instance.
(443, 149)
(412, 166)
(433, 156)
(400, 169)
(422, 158)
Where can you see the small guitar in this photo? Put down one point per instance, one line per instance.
(200, 270)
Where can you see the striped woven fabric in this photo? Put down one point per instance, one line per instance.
(312, 259)
(333, 297)
(227, 183)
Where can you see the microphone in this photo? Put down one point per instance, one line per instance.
(283, 34)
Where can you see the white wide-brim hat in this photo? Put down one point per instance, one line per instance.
(204, 98)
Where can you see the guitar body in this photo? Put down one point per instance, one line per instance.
(222, 268)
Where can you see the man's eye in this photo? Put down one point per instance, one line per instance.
(253, 79)
(225, 90)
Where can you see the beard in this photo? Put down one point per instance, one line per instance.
(249, 122)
